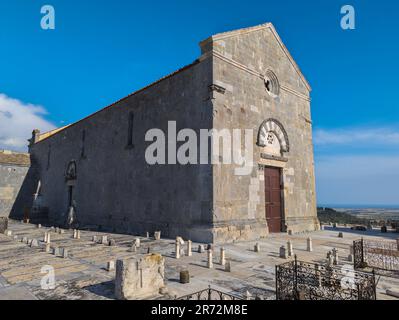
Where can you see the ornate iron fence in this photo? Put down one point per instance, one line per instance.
(210, 294)
(381, 256)
(297, 280)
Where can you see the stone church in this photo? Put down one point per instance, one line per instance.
(93, 174)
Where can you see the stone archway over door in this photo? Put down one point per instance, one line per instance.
(273, 199)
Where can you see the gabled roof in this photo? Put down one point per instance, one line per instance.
(269, 25)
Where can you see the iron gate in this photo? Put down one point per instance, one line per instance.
(381, 256)
(210, 294)
(297, 280)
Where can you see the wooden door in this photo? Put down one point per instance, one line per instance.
(273, 199)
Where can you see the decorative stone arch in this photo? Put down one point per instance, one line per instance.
(269, 131)
(71, 172)
(271, 83)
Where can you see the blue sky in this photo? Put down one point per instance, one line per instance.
(101, 51)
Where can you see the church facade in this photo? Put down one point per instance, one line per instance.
(95, 173)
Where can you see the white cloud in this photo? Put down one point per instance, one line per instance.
(358, 179)
(17, 121)
(371, 136)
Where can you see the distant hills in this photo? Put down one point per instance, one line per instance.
(329, 215)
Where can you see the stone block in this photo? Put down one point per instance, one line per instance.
(283, 252)
(139, 278)
(110, 266)
(34, 243)
(64, 253)
(184, 277)
(157, 235)
(3, 224)
(104, 240)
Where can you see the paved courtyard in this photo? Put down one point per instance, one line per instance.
(84, 275)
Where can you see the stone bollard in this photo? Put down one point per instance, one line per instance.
(47, 247)
(61, 231)
(257, 247)
(157, 235)
(350, 258)
(38, 226)
(15, 237)
(184, 277)
(8, 233)
(340, 235)
(65, 253)
(133, 248)
(56, 251)
(177, 249)
(384, 229)
(94, 239)
(57, 230)
(283, 253)
(34, 243)
(181, 245)
(147, 235)
(24, 240)
(330, 259)
(137, 242)
(201, 248)
(309, 245)
(335, 256)
(189, 252)
(222, 256)
(210, 259)
(74, 234)
(78, 234)
(227, 266)
(290, 249)
(111, 243)
(104, 239)
(110, 266)
(290, 232)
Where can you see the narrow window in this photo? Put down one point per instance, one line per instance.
(130, 130)
(82, 152)
(48, 157)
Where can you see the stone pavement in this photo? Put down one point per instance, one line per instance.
(83, 274)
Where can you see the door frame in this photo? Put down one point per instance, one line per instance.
(283, 226)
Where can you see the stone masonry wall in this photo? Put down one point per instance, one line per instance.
(12, 177)
(115, 188)
(239, 207)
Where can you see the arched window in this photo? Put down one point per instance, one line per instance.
(273, 137)
(71, 173)
(271, 83)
